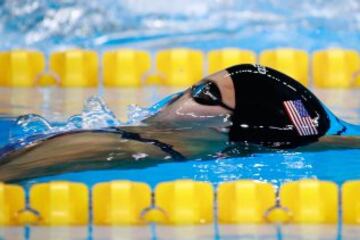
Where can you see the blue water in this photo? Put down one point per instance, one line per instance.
(337, 166)
(100, 24)
(50, 25)
(274, 167)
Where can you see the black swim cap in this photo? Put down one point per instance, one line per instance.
(274, 110)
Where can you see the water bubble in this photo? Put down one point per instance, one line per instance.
(138, 156)
(33, 122)
(74, 121)
(136, 114)
(97, 115)
(28, 125)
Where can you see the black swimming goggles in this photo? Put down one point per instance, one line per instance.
(208, 93)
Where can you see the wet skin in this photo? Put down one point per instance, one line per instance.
(182, 129)
(191, 129)
(185, 111)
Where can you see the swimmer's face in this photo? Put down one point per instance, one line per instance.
(212, 107)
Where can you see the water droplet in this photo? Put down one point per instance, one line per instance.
(138, 156)
(96, 115)
(136, 114)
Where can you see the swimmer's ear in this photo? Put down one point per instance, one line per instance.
(274, 110)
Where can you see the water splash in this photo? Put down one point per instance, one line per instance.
(95, 115)
(29, 125)
(136, 114)
(48, 25)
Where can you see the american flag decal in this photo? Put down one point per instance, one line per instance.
(300, 118)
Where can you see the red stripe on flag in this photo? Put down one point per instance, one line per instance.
(292, 117)
(298, 121)
(304, 125)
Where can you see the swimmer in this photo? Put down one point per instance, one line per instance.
(242, 107)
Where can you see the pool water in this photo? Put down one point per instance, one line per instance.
(206, 24)
(50, 25)
(57, 105)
